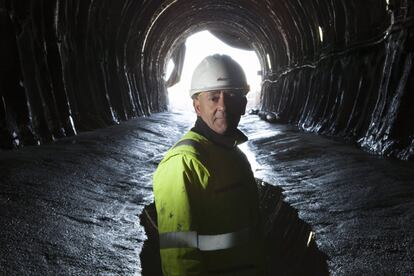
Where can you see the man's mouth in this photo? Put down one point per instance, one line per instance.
(221, 117)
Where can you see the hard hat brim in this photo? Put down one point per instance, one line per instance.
(243, 90)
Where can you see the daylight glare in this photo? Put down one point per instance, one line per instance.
(201, 45)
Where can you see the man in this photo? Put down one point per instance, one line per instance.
(205, 192)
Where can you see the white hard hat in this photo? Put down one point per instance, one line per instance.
(218, 72)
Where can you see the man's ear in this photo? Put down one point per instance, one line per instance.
(196, 105)
(243, 105)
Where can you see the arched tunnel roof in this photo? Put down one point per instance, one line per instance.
(339, 68)
(286, 31)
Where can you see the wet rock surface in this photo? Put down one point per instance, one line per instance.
(327, 66)
(73, 207)
(360, 206)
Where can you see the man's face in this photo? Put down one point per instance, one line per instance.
(220, 110)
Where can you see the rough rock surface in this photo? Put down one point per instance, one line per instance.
(72, 207)
(328, 66)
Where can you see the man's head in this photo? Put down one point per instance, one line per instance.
(218, 89)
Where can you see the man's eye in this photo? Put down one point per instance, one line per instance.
(234, 96)
(215, 98)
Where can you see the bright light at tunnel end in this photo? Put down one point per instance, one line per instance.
(203, 44)
(170, 68)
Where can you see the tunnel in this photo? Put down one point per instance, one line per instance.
(85, 119)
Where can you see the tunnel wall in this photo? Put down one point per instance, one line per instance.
(70, 66)
(358, 87)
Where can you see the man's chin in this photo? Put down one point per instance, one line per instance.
(229, 131)
(220, 131)
(225, 128)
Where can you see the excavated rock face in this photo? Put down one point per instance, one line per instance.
(340, 68)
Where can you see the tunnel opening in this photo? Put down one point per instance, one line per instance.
(198, 46)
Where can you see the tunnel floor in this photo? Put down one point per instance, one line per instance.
(73, 207)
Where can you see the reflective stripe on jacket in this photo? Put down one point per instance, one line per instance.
(207, 208)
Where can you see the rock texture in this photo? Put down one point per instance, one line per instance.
(73, 207)
(339, 68)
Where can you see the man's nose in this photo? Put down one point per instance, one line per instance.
(222, 102)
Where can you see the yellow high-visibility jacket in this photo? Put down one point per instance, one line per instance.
(208, 213)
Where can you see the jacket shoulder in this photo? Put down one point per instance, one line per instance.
(192, 145)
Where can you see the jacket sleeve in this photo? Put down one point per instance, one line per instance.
(174, 181)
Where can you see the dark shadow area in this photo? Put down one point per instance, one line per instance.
(291, 248)
(150, 254)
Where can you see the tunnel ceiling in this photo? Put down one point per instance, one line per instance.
(339, 68)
